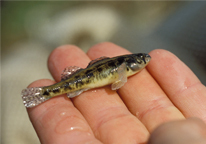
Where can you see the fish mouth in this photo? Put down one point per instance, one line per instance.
(147, 58)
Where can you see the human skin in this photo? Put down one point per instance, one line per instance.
(157, 100)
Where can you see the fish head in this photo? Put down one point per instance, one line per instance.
(138, 61)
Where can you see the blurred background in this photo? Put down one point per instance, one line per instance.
(31, 30)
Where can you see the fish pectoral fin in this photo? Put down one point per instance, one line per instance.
(75, 93)
(118, 84)
(122, 77)
(68, 71)
(96, 60)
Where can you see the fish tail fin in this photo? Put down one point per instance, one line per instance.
(32, 96)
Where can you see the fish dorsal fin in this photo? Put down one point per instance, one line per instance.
(96, 60)
(68, 71)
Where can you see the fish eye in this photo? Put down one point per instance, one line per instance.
(140, 55)
(144, 57)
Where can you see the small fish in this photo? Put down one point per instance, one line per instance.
(100, 72)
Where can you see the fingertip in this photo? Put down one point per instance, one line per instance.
(106, 49)
(159, 51)
(198, 123)
(58, 51)
(64, 56)
(159, 54)
(100, 45)
(187, 131)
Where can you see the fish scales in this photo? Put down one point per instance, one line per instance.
(98, 73)
(85, 78)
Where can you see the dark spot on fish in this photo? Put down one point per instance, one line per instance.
(98, 65)
(87, 81)
(90, 75)
(67, 86)
(103, 76)
(46, 93)
(130, 61)
(88, 71)
(112, 64)
(127, 69)
(120, 60)
(99, 69)
(55, 90)
(77, 77)
(79, 83)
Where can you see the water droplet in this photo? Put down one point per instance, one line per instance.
(62, 113)
(137, 114)
(89, 134)
(71, 123)
(157, 52)
(75, 128)
(94, 91)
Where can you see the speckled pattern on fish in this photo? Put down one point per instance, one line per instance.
(100, 72)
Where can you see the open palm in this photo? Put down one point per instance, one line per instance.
(166, 90)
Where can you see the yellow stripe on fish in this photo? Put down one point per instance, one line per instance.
(100, 72)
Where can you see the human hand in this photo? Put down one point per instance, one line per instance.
(166, 90)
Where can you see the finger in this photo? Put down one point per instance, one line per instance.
(180, 84)
(190, 131)
(107, 115)
(58, 121)
(141, 94)
(63, 57)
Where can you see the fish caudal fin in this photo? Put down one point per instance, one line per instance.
(32, 96)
